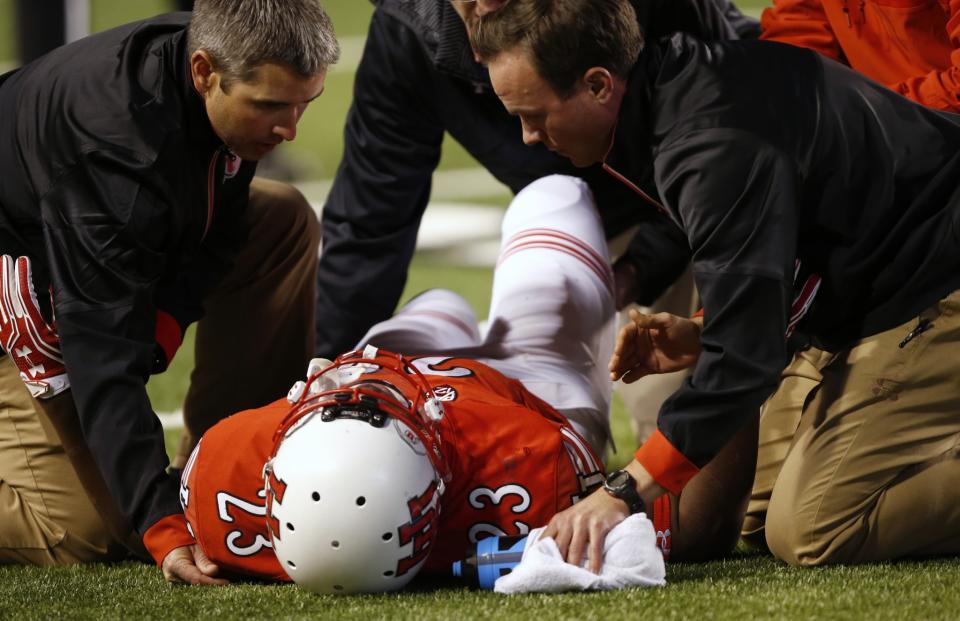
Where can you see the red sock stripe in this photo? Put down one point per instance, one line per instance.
(599, 260)
(557, 240)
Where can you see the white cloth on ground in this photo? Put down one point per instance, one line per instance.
(631, 558)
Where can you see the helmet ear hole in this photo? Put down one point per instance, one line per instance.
(315, 496)
(387, 536)
(361, 501)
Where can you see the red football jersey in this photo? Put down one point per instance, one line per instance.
(515, 462)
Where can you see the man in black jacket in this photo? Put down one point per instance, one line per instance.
(128, 209)
(822, 212)
(418, 79)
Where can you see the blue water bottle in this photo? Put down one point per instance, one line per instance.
(489, 559)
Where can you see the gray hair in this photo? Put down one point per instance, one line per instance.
(241, 35)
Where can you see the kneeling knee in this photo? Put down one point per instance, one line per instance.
(287, 213)
(798, 544)
(297, 213)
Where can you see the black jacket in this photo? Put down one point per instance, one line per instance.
(114, 183)
(764, 154)
(416, 80)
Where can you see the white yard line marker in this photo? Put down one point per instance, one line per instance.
(171, 420)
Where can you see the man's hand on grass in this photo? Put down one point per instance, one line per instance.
(189, 565)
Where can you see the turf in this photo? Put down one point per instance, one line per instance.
(744, 587)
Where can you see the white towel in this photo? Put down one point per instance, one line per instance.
(630, 558)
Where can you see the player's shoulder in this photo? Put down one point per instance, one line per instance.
(255, 425)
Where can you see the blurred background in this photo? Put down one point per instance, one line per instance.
(450, 253)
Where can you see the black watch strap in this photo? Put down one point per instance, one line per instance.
(621, 484)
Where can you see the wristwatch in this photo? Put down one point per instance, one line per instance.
(620, 484)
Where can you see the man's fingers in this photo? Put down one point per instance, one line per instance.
(563, 538)
(625, 339)
(204, 564)
(551, 529)
(210, 581)
(616, 366)
(595, 551)
(578, 545)
(179, 567)
(634, 374)
(188, 573)
(638, 319)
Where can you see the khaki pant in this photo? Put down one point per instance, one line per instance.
(858, 453)
(254, 341)
(45, 516)
(258, 334)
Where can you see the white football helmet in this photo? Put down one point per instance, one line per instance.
(355, 478)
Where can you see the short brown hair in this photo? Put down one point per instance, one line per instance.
(241, 35)
(564, 37)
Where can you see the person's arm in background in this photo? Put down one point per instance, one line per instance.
(802, 23)
(370, 221)
(939, 89)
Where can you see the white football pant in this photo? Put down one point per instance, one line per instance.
(551, 323)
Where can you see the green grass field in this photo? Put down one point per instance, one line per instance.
(744, 587)
(747, 586)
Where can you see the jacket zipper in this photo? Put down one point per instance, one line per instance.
(211, 190)
(633, 186)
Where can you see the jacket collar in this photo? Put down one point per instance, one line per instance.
(195, 120)
(442, 34)
(631, 150)
(454, 55)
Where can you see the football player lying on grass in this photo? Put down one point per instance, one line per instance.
(355, 469)
(383, 466)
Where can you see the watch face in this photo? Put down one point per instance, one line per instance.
(618, 479)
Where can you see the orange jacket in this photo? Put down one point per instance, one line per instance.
(912, 46)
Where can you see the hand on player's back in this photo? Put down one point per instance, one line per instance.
(650, 344)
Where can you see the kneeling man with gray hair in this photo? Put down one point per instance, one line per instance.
(128, 210)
